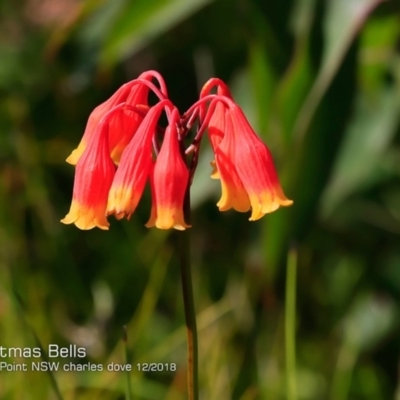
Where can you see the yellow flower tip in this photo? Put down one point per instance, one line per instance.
(233, 196)
(238, 204)
(122, 202)
(265, 203)
(75, 155)
(266, 209)
(168, 218)
(66, 220)
(169, 223)
(121, 215)
(223, 206)
(286, 202)
(215, 173)
(85, 224)
(164, 224)
(280, 197)
(116, 154)
(117, 214)
(269, 208)
(160, 225)
(86, 218)
(72, 158)
(181, 228)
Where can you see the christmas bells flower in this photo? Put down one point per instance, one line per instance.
(243, 162)
(134, 169)
(252, 163)
(93, 177)
(123, 125)
(124, 147)
(170, 177)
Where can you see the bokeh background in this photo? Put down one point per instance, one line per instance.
(320, 82)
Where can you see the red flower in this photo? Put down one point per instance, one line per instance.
(134, 168)
(122, 125)
(122, 131)
(234, 194)
(169, 182)
(254, 166)
(242, 161)
(93, 177)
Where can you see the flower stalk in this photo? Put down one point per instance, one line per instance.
(188, 302)
(124, 148)
(290, 324)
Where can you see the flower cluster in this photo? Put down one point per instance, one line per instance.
(124, 147)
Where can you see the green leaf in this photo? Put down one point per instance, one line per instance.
(264, 82)
(344, 18)
(377, 42)
(297, 79)
(361, 159)
(141, 21)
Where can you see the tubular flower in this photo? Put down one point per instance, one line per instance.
(254, 165)
(119, 152)
(122, 126)
(93, 177)
(169, 182)
(234, 194)
(134, 169)
(216, 123)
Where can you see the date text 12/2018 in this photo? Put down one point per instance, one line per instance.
(156, 367)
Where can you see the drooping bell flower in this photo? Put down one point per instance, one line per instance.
(134, 168)
(94, 173)
(233, 193)
(254, 166)
(169, 181)
(122, 131)
(123, 125)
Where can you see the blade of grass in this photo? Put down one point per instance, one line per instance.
(350, 15)
(290, 324)
(127, 361)
(20, 306)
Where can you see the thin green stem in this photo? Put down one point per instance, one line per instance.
(22, 311)
(343, 372)
(127, 361)
(188, 301)
(290, 325)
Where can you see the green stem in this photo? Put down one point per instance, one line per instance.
(344, 369)
(188, 301)
(127, 361)
(290, 325)
(28, 328)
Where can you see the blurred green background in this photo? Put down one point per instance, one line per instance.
(320, 82)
